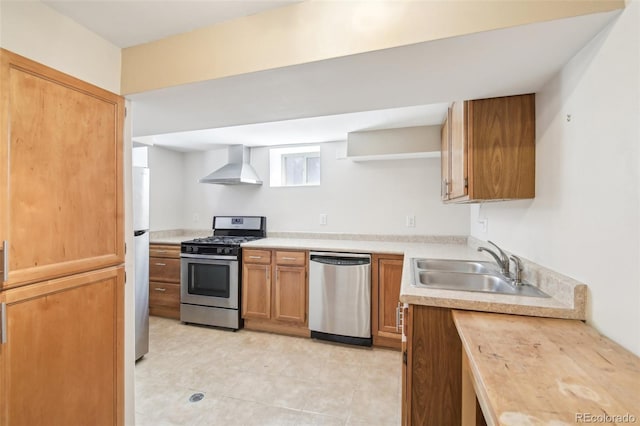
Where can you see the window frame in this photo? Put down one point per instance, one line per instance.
(278, 157)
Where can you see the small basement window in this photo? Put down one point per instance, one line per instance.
(295, 166)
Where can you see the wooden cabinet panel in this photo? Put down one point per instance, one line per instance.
(433, 373)
(164, 269)
(490, 149)
(385, 287)
(63, 360)
(256, 291)
(458, 151)
(62, 204)
(290, 294)
(164, 250)
(445, 134)
(390, 275)
(262, 257)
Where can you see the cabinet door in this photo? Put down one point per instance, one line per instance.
(458, 151)
(434, 368)
(61, 186)
(62, 363)
(390, 277)
(290, 294)
(445, 142)
(256, 291)
(502, 147)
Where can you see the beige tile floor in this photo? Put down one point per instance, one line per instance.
(253, 378)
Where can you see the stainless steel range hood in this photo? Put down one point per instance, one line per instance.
(238, 171)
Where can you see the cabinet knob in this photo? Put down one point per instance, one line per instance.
(255, 257)
(160, 289)
(160, 264)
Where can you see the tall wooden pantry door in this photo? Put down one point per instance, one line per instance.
(61, 225)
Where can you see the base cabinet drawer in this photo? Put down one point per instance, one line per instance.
(159, 250)
(164, 269)
(164, 299)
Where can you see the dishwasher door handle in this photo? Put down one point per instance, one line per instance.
(339, 260)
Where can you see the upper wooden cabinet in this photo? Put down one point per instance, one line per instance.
(488, 150)
(61, 186)
(61, 221)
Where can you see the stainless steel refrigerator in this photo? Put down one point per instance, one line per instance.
(141, 240)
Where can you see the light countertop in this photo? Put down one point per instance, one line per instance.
(567, 301)
(176, 236)
(547, 371)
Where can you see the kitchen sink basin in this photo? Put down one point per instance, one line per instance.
(465, 275)
(477, 267)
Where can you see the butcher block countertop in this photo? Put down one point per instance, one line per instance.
(544, 371)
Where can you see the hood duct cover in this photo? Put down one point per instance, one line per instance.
(238, 171)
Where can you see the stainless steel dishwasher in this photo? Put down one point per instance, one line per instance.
(340, 297)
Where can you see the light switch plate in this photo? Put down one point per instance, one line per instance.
(411, 221)
(323, 218)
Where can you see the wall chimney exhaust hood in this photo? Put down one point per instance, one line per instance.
(238, 171)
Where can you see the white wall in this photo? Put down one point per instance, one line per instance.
(166, 189)
(34, 30)
(584, 221)
(367, 197)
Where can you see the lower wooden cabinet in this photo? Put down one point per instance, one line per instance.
(274, 291)
(164, 280)
(386, 277)
(63, 359)
(432, 368)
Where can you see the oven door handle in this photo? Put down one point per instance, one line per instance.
(207, 257)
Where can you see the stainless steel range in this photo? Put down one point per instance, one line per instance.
(210, 271)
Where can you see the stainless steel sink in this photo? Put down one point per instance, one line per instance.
(467, 276)
(474, 266)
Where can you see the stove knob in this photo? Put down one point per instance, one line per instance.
(189, 248)
(195, 249)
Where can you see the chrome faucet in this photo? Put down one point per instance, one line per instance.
(501, 258)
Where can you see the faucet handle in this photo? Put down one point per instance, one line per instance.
(517, 278)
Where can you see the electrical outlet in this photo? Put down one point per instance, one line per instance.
(411, 221)
(323, 218)
(196, 217)
(484, 224)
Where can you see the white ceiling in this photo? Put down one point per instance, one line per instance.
(130, 22)
(495, 63)
(300, 131)
(324, 100)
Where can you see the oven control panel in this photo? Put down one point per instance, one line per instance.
(209, 250)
